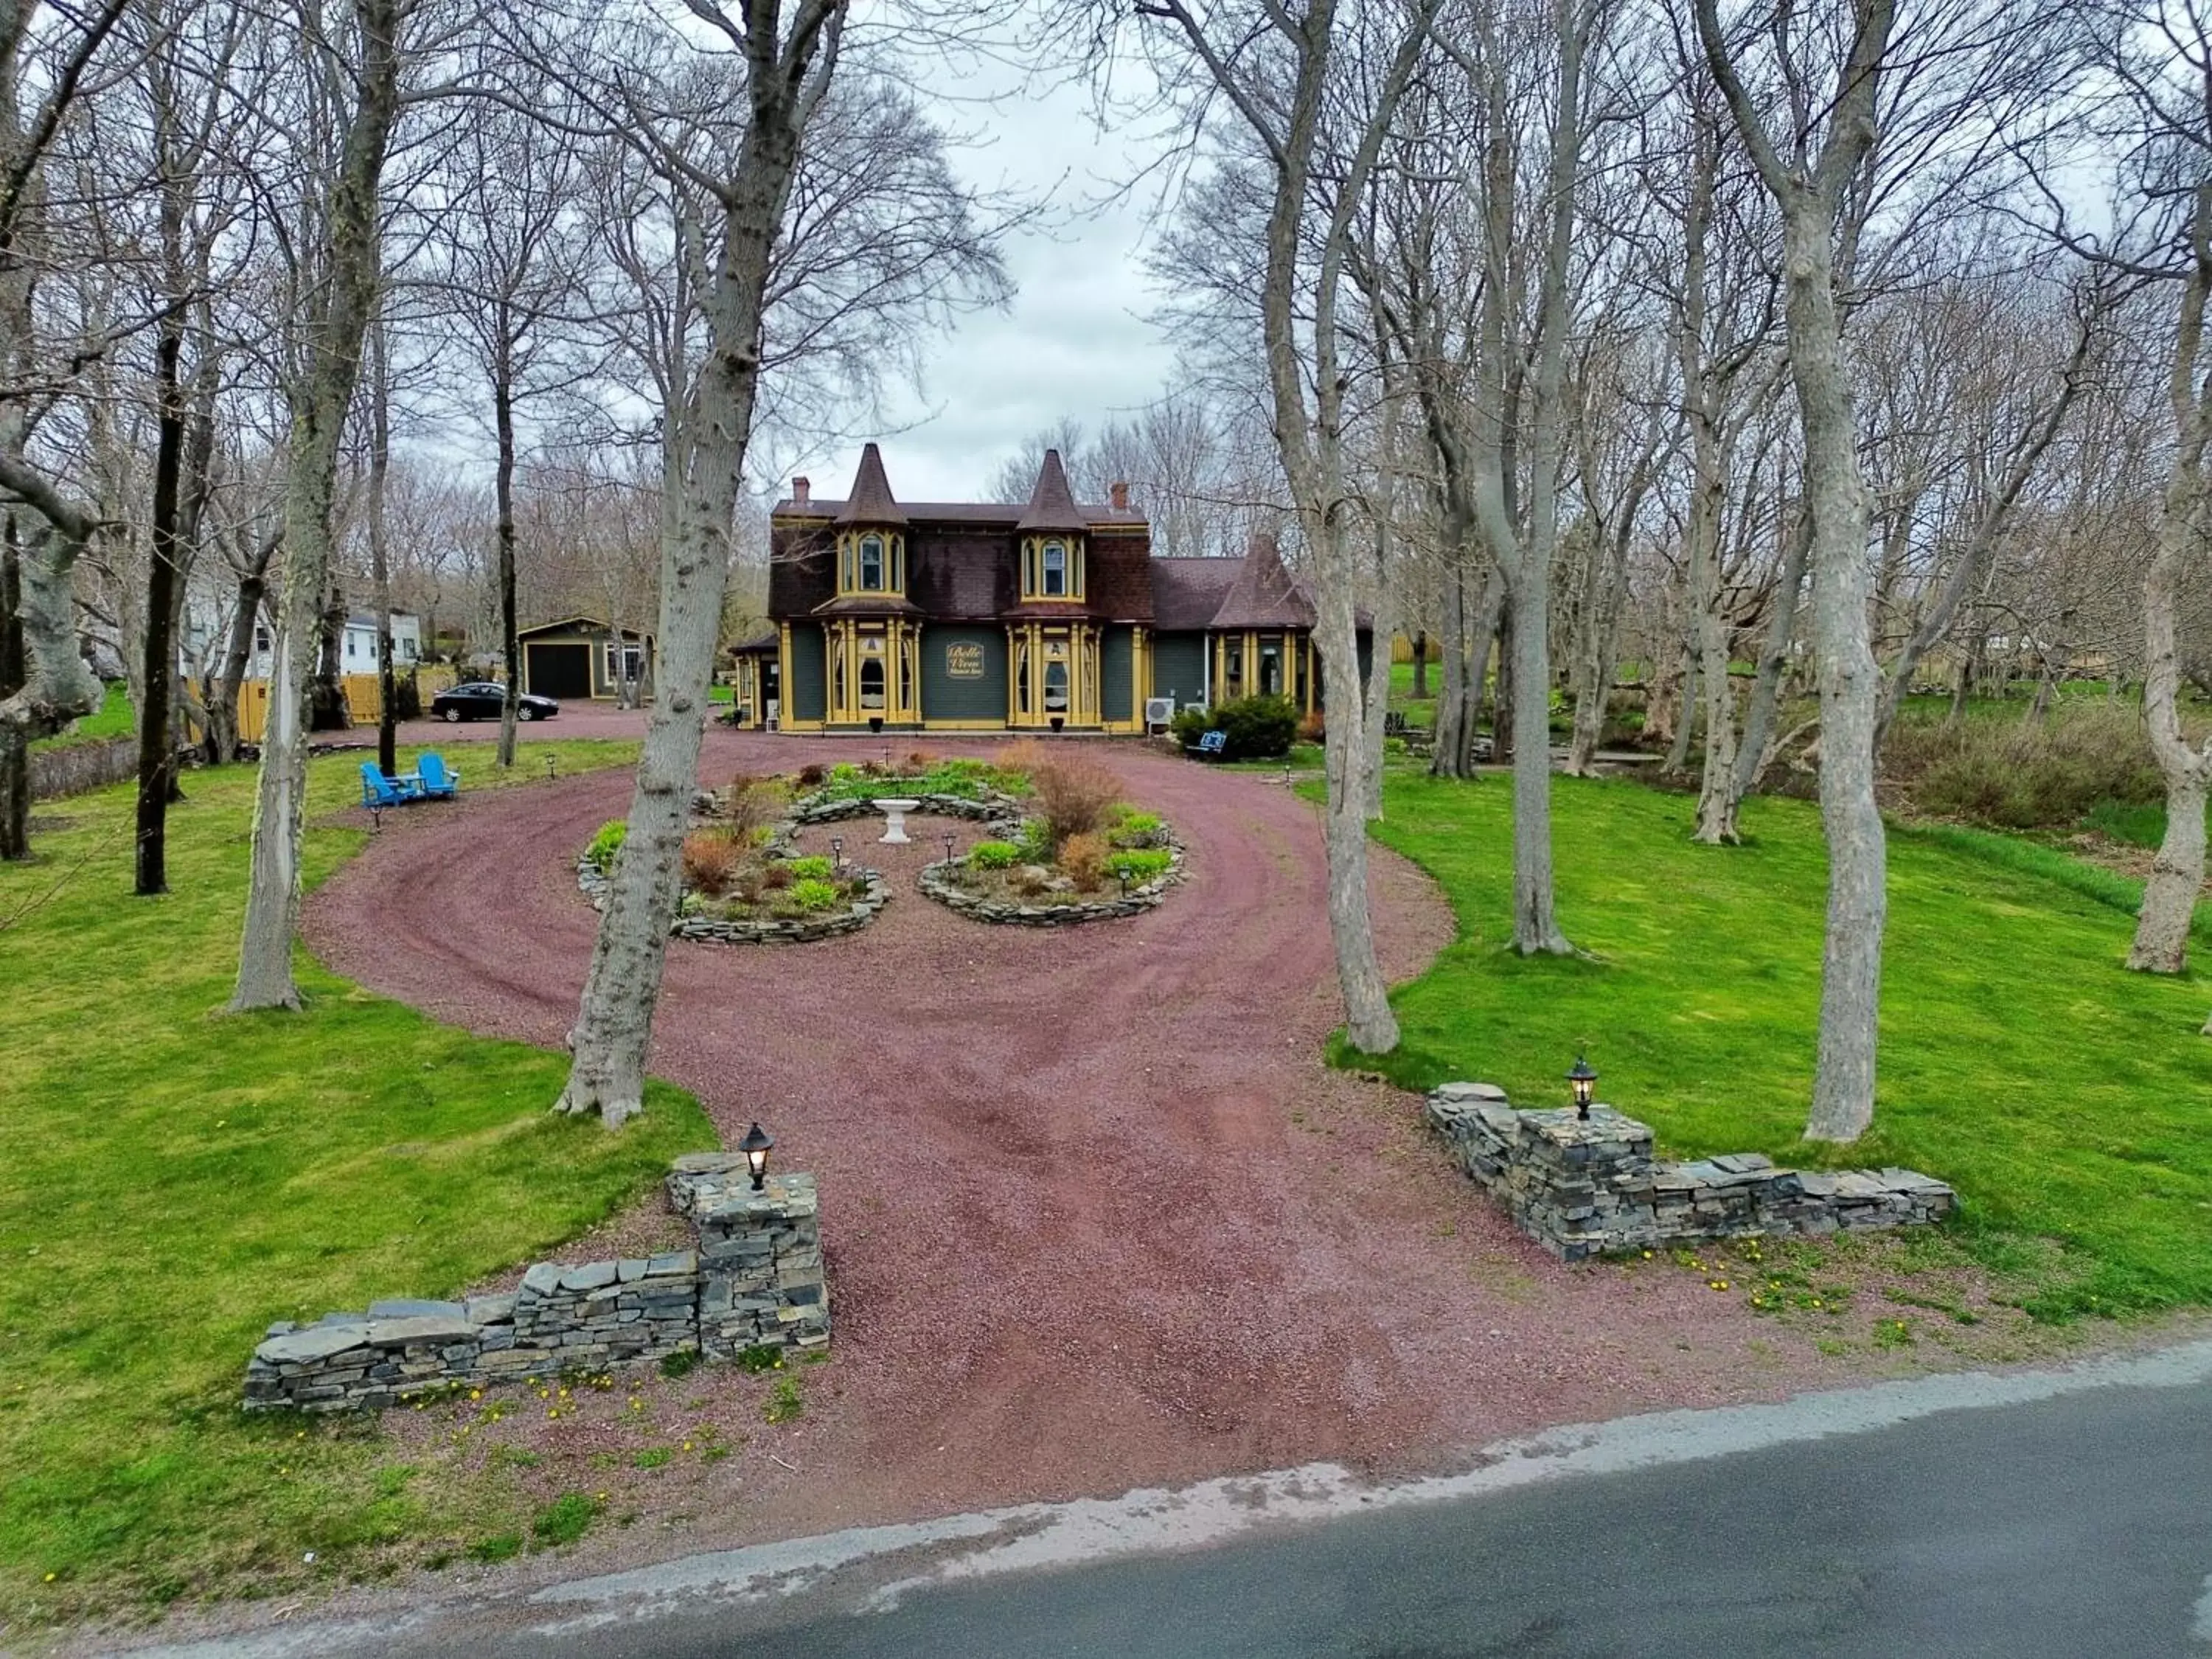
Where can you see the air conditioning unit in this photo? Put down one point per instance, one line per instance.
(1158, 711)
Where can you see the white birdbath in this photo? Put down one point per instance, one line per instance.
(895, 811)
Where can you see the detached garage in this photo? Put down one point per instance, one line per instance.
(582, 658)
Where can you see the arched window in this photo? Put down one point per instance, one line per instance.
(872, 682)
(872, 562)
(1055, 570)
(1055, 688)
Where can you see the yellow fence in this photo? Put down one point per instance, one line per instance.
(362, 700)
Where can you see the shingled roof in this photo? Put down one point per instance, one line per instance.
(1052, 503)
(1264, 595)
(871, 502)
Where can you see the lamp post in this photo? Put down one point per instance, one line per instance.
(948, 851)
(755, 1147)
(1583, 1081)
(837, 852)
(375, 819)
(548, 769)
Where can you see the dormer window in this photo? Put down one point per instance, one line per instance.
(872, 562)
(1052, 568)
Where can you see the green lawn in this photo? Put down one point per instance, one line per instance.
(2064, 1097)
(114, 718)
(175, 1179)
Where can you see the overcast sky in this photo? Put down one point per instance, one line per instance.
(1074, 340)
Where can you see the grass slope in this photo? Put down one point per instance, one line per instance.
(114, 718)
(175, 1179)
(2064, 1097)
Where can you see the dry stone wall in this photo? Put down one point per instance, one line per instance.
(1583, 1187)
(755, 1280)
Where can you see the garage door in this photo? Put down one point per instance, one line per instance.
(559, 670)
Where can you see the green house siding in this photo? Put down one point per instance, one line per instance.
(1116, 653)
(967, 696)
(809, 689)
(1179, 666)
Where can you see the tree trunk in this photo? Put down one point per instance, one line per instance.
(1759, 715)
(502, 403)
(1850, 686)
(349, 273)
(1684, 720)
(2176, 875)
(157, 748)
(14, 748)
(1606, 588)
(380, 554)
(703, 457)
(1716, 793)
(1420, 665)
(223, 691)
(1448, 758)
(1535, 926)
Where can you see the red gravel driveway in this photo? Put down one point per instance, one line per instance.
(1098, 1215)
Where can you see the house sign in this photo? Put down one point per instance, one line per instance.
(963, 662)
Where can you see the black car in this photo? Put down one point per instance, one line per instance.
(483, 699)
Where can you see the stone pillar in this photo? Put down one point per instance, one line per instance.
(1582, 1186)
(760, 1283)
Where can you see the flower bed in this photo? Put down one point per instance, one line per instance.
(743, 883)
(1078, 855)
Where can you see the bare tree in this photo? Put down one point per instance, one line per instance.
(1317, 94)
(357, 85)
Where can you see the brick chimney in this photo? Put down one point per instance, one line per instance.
(1119, 491)
(802, 491)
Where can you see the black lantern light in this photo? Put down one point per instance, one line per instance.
(755, 1147)
(549, 767)
(376, 818)
(1583, 1080)
(948, 849)
(837, 851)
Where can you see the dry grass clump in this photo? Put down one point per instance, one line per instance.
(1084, 858)
(1075, 795)
(710, 859)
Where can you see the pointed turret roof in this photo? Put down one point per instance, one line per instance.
(870, 501)
(1264, 594)
(1052, 504)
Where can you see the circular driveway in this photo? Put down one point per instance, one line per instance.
(1096, 1214)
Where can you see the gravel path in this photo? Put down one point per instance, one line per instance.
(1098, 1215)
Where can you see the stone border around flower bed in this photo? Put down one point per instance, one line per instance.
(776, 929)
(936, 884)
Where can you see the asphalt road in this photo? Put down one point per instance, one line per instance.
(2063, 1514)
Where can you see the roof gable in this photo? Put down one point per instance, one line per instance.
(872, 502)
(1052, 504)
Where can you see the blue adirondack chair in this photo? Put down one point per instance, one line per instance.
(377, 790)
(437, 784)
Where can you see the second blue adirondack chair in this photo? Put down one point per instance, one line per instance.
(377, 790)
(437, 784)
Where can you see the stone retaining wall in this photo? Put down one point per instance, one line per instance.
(76, 766)
(937, 883)
(1584, 1187)
(756, 1279)
(767, 930)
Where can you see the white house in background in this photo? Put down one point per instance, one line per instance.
(206, 628)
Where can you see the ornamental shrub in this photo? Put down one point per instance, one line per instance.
(813, 867)
(1137, 829)
(608, 842)
(1138, 865)
(1084, 858)
(1075, 795)
(814, 895)
(994, 855)
(710, 859)
(1190, 725)
(1258, 728)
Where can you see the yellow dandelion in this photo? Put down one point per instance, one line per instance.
(50, 1578)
